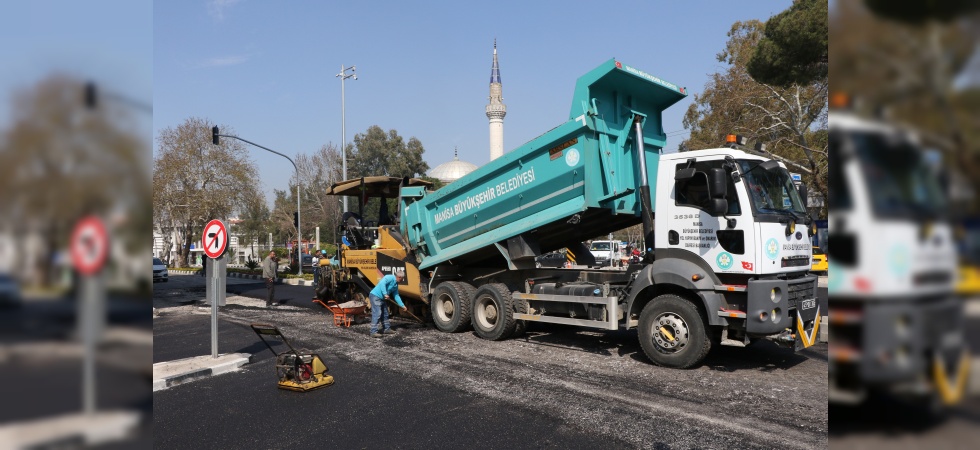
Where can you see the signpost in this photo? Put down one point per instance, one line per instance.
(89, 249)
(215, 241)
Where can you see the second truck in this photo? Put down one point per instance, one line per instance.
(726, 233)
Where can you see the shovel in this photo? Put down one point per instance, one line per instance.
(406, 310)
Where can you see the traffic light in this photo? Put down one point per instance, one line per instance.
(90, 95)
(214, 135)
(296, 219)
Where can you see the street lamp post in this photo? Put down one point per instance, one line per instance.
(343, 118)
(299, 235)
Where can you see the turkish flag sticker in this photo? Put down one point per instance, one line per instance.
(746, 265)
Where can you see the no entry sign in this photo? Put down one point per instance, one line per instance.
(215, 239)
(89, 245)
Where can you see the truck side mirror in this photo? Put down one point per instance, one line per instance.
(718, 206)
(803, 195)
(717, 183)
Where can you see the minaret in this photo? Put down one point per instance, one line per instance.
(496, 110)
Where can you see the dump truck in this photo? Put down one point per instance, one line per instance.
(726, 264)
(896, 325)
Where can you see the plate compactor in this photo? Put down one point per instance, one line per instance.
(297, 371)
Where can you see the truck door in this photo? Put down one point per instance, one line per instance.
(721, 241)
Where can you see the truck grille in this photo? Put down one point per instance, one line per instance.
(796, 261)
(939, 277)
(801, 290)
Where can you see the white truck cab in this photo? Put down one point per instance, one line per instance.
(607, 253)
(896, 325)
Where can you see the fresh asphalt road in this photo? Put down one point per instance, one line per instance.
(364, 408)
(556, 387)
(41, 364)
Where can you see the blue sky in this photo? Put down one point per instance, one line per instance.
(106, 41)
(267, 69)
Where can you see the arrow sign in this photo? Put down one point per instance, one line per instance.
(89, 245)
(215, 239)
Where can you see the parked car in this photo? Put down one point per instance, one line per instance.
(307, 263)
(553, 259)
(9, 292)
(820, 263)
(160, 270)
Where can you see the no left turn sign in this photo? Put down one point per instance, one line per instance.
(215, 239)
(89, 245)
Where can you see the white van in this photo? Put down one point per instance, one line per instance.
(607, 253)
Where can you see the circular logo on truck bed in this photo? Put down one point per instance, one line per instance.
(571, 158)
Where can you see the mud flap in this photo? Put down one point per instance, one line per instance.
(951, 390)
(806, 335)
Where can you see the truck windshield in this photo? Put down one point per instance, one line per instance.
(900, 181)
(772, 191)
(600, 246)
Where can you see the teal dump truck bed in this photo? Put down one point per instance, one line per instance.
(577, 181)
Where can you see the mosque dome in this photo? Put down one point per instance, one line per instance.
(452, 170)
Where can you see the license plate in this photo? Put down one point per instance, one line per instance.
(809, 303)
(815, 261)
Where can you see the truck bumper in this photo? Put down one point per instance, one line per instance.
(900, 344)
(776, 305)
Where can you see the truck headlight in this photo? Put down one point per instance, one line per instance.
(775, 295)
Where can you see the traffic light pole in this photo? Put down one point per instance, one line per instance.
(299, 236)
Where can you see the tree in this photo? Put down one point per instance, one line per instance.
(793, 49)
(60, 162)
(281, 218)
(378, 153)
(386, 154)
(922, 11)
(790, 120)
(195, 181)
(255, 220)
(905, 58)
(317, 172)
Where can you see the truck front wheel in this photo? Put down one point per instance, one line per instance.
(672, 332)
(451, 304)
(493, 312)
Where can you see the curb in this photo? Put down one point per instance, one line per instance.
(70, 430)
(198, 367)
(290, 281)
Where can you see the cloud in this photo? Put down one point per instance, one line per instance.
(216, 8)
(222, 61)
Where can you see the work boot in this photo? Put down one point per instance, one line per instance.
(376, 335)
(390, 331)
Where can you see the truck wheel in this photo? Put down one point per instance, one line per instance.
(672, 332)
(493, 312)
(520, 326)
(450, 306)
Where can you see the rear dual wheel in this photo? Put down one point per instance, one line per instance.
(450, 306)
(493, 313)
